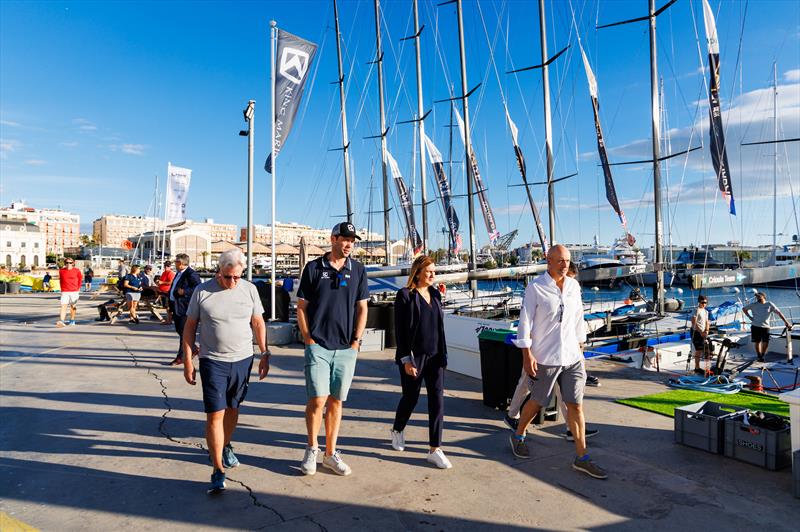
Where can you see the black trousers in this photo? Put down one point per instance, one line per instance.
(179, 322)
(431, 370)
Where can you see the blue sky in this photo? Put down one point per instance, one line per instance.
(97, 97)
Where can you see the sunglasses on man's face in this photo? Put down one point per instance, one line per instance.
(560, 311)
(339, 281)
(231, 277)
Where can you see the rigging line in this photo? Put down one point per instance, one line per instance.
(397, 70)
(523, 100)
(789, 176)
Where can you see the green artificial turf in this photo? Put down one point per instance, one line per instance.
(665, 403)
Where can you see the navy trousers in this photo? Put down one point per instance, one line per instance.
(431, 370)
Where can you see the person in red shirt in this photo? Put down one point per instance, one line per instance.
(71, 280)
(164, 283)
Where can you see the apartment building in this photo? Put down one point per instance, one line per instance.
(61, 229)
(290, 233)
(113, 230)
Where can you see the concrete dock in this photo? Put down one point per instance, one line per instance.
(98, 434)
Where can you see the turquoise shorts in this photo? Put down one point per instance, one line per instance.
(329, 372)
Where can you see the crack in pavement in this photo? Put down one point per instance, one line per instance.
(164, 433)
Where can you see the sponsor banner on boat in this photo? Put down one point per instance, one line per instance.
(719, 154)
(405, 203)
(435, 157)
(611, 191)
(293, 59)
(178, 180)
(483, 199)
(524, 173)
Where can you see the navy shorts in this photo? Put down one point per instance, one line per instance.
(224, 383)
(698, 340)
(759, 334)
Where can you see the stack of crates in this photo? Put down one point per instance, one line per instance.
(702, 425)
(770, 449)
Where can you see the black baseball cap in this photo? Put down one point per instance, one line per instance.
(702, 299)
(345, 229)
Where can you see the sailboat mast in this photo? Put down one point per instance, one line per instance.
(465, 108)
(386, 245)
(656, 131)
(452, 244)
(775, 163)
(548, 127)
(345, 139)
(421, 135)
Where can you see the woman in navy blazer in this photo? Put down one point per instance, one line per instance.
(421, 355)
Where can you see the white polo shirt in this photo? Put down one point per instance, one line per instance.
(551, 322)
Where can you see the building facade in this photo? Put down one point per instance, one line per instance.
(60, 229)
(290, 233)
(113, 230)
(23, 244)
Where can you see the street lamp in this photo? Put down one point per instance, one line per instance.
(249, 117)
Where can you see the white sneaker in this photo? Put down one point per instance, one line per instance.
(309, 464)
(438, 459)
(398, 440)
(335, 463)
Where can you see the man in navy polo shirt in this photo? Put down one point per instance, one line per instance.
(331, 314)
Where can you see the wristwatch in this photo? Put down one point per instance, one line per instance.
(266, 353)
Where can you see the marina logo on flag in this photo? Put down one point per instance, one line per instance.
(293, 59)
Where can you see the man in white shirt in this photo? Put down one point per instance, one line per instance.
(551, 333)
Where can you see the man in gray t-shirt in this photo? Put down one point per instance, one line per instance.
(228, 311)
(759, 313)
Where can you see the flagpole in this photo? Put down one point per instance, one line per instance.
(166, 203)
(273, 42)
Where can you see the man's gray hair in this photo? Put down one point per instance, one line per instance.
(183, 257)
(231, 258)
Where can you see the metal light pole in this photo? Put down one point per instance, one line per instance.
(249, 117)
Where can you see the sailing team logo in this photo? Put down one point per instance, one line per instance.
(295, 60)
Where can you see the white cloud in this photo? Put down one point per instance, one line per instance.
(9, 123)
(792, 75)
(8, 146)
(35, 162)
(748, 118)
(133, 149)
(69, 144)
(84, 124)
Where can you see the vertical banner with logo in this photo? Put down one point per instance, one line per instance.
(435, 156)
(178, 180)
(488, 217)
(524, 172)
(292, 63)
(611, 191)
(405, 204)
(719, 155)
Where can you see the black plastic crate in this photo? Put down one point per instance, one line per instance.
(770, 449)
(702, 425)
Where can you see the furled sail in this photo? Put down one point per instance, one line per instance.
(719, 155)
(405, 204)
(524, 172)
(488, 217)
(611, 191)
(435, 157)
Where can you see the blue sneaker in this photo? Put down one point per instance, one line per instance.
(229, 459)
(217, 482)
(72, 323)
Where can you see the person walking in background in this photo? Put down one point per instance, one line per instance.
(46, 282)
(551, 331)
(331, 314)
(88, 276)
(146, 276)
(132, 288)
(421, 354)
(164, 283)
(759, 313)
(700, 329)
(122, 269)
(180, 293)
(228, 310)
(71, 280)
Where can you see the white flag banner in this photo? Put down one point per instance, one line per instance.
(178, 180)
